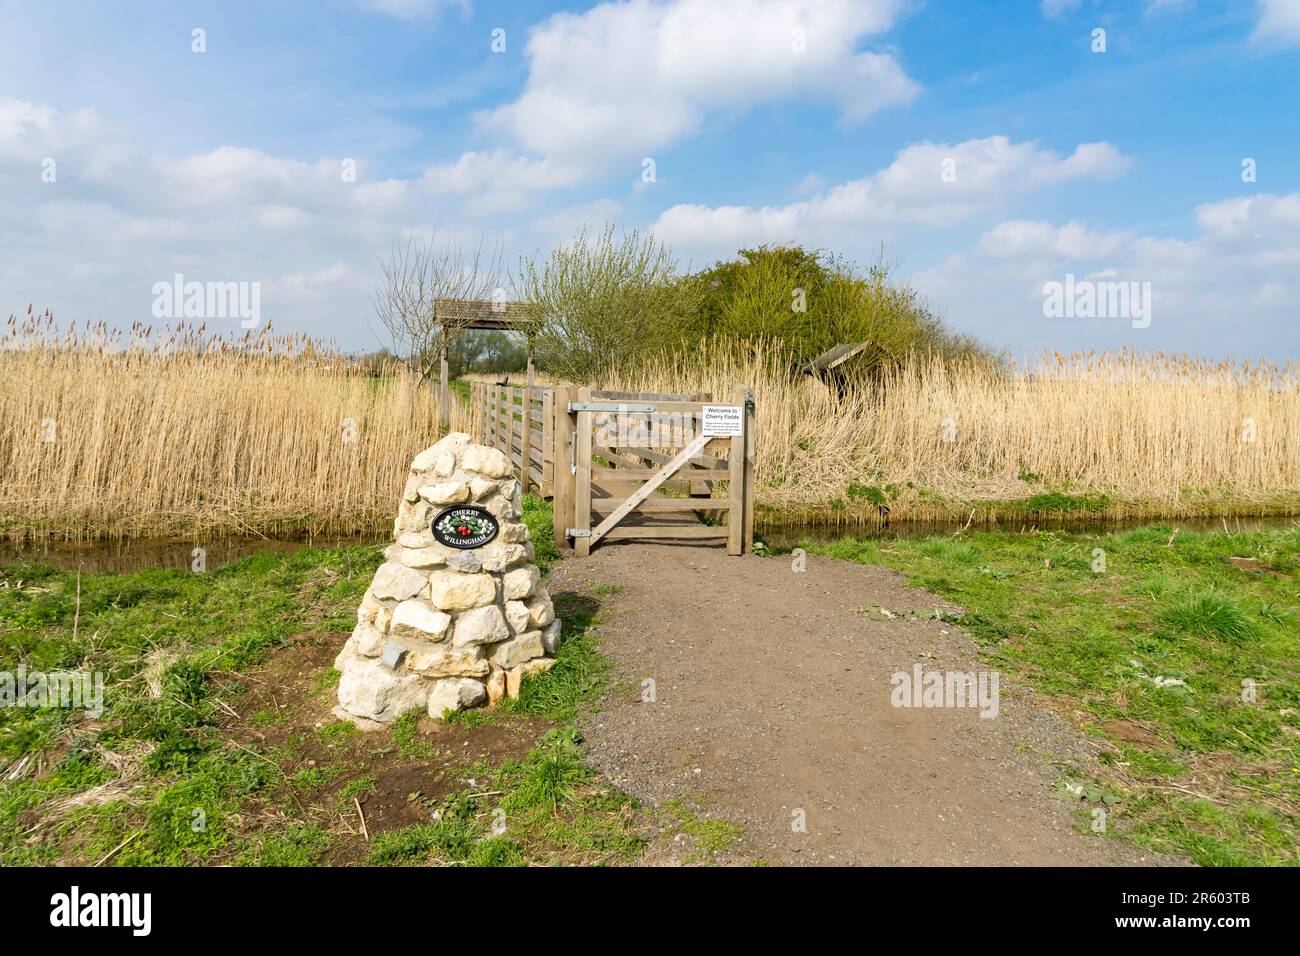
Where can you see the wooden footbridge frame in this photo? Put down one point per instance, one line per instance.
(606, 459)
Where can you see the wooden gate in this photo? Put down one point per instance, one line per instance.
(623, 465)
(617, 452)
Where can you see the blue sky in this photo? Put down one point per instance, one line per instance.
(826, 123)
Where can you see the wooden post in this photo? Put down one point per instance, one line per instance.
(750, 442)
(562, 489)
(528, 436)
(476, 413)
(496, 417)
(548, 443)
(736, 481)
(510, 424)
(444, 391)
(582, 478)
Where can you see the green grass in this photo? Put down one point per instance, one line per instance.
(710, 836)
(1163, 637)
(172, 647)
(460, 387)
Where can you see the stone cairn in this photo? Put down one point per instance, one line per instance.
(443, 628)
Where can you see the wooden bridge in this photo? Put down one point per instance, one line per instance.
(621, 465)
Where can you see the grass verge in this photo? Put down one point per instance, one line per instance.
(1181, 649)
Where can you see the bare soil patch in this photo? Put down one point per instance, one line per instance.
(394, 787)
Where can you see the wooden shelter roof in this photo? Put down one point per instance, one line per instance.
(487, 314)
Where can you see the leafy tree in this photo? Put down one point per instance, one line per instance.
(812, 301)
(604, 299)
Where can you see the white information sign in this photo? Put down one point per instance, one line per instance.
(722, 421)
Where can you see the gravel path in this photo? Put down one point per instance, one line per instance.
(772, 701)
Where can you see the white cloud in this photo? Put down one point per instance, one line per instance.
(625, 79)
(1022, 238)
(1227, 290)
(1279, 21)
(29, 131)
(117, 219)
(932, 184)
(498, 181)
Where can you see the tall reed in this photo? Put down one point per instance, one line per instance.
(1112, 433)
(181, 432)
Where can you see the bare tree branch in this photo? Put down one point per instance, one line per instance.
(417, 280)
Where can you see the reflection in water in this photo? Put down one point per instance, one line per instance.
(787, 536)
(138, 554)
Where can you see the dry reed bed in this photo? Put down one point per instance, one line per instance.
(1157, 435)
(188, 434)
(269, 436)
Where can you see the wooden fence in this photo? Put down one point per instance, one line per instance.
(527, 439)
(607, 458)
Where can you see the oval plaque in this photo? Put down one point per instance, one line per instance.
(464, 526)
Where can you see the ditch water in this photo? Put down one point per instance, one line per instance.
(137, 554)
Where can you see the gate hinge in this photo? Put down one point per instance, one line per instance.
(577, 532)
(611, 407)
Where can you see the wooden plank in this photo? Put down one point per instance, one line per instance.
(623, 460)
(604, 395)
(525, 454)
(646, 490)
(702, 461)
(496, 416)
(582, 478)
(660, 504)
(736, 483)
(483, 413)
(665, 405)
(642, 474)
(666, 531)
(548, 442)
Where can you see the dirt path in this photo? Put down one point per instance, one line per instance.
(772, 696)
